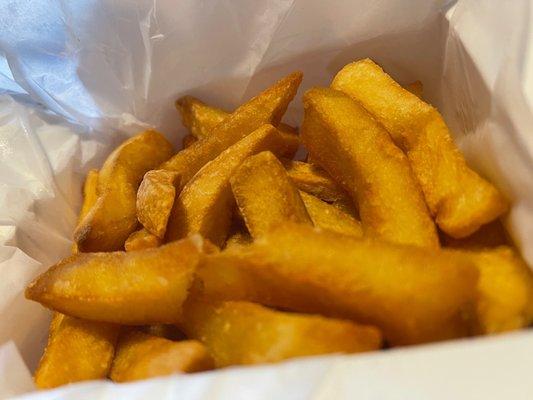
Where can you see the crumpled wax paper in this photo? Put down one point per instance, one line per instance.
(77, 77)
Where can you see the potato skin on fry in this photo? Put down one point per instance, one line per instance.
(155, 198)
(206, 203)
(331, 218)
(90, 195)
(266, 108)
(134, 288)
(265, 194)
(359, 154)
(412, 294)
(459, 198)
(141, 239)
(77, 350)
(113, 217)
(188, 141)
(238, 333)
(142, 356)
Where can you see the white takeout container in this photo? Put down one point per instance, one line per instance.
(78, 76)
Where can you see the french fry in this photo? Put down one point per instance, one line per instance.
(238, 239)
(491, 235)
(265, 194)
(505, 290)
(416, 88)
(329, 217)
(77, 350)
(314, 180)
(142, 356)
(201, 119)
(458, 197)
(359, 154)
(155, 198)
(266, 108)
(141, 239)
(206, 203)
(90, 195)
(135, 288)
(188, 141)
(238, 333)
(113, 217)
(413, 294)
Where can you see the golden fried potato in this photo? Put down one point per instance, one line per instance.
(505, 290)
(416, 88)
(359, 154)
(155, 198)
(201, 119)
(90, 195)
(141, 239)
(113, 217)
(198, 117)
(329, 217)
(266, 108)
(314, 180)
(134, 288)
(459, 198)
(237, 333)
(413, 294)
(166, 331)
(188, 141)
(492, 234)
(238, 239)
(206, 203)
(142, 356)
(265, 194)
(77, 350)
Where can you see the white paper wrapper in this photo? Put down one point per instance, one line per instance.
(77, 76)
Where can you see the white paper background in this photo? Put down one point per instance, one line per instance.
(110, 67)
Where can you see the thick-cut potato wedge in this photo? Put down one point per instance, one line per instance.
(134, 288)
(142, 356)
(360, 155)
(155, 198)
(90, 195)
(113, 216)
(266, 108)
(206, 203)
(413, 294)
(201, 119)
(314, 180)
(265, 194)
(491, 235)
(188, 141)
(141, 239)
(416, 88)
(239, 333)
(505, 290)
(329, 217)
(77, 350)
(459, 198)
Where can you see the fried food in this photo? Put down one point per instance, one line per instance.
(206, 203)
(77, 350)
(266, 108)
(505, 290)
(265, 194)
(201, 119)
(142, 356)
(238, 239)
(141, 239)
(113, 217)
(238, 333)
(131, 288)
(458, 197)
(329, 217)
(416, 88)
(491, 235)
(413, 294)
(188, 141)
(155, 198)
(166, 331)
(314, 180)
(359, 154)
(90, 195)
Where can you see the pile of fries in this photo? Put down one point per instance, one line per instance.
(229, 252)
